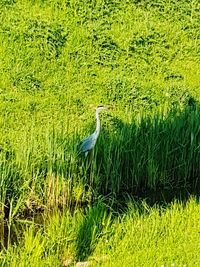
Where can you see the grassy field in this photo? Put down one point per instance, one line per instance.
(59, 60)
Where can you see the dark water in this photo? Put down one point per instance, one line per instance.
(7, 233)
(12, 232)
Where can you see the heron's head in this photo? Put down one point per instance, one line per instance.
(100, 108)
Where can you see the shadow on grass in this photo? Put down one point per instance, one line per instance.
(157, 159)
(90, 230)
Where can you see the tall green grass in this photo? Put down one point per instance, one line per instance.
(142, 156)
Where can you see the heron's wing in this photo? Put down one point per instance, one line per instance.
(88, 143)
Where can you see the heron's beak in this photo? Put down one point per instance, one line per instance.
(104, 106)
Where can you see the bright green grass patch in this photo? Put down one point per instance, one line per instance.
(140, 237)
(57, 58)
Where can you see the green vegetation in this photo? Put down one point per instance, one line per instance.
(60, 59)
(144, 236)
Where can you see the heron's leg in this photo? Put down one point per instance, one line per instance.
(89, 168)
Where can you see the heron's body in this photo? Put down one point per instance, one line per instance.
(89, 142)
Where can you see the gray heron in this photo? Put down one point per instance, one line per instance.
(88, 143)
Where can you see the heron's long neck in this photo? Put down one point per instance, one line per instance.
(98, 123)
